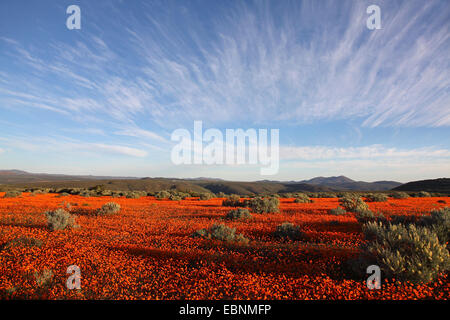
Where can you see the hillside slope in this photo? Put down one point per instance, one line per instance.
(431, 185)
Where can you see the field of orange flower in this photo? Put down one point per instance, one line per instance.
(146, 251)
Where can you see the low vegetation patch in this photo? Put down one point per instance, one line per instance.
(377, 197)
(22, 242)
(406, 253)
(220, 232)
(302, 198)
(365, 216)
(337, 211)
(59, 219)
(233, 200)
(109, 209)
(289, 231)
(238, 214)
(400, 195)
(353, 204)
(263, 205)
(12, 194)
(438, 222)
(422, 194)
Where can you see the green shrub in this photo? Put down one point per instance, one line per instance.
(238, 214)
(162, 195)
(233, 200)
(325, 195)
(264, 205)
(220, 232)
(134, 194)
(59, 219)
(353, 204)
(400, 195)
(302, 198)
(337, 211)
(422, 194)
(438, 221)
(406, 253)
(12, 194)
(109, 208)
(289, 231)
(369, 216)
(206, 196)
(85, 193)
(377, 197)
(175, 197)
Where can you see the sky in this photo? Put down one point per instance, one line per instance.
(347, 100)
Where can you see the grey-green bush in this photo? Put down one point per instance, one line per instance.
(302, 198)
(220, 232)
(12, 194)
(238, 214)
(438, 221)
(353, 204)
(206, 196)
(400, 195)
(422, 194)
(337, 211)
(162, 195)
(233, 200)
(377, 197)
(108, 209)
(369, 216)
(264, 205)
(289, 231)
(59, 219)
(406, 253)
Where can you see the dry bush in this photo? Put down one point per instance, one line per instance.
(289, 231)
(59, 220)
(377, 197)
(108, 209)
(406, 253)
(12, 194)
(302, 198)
(400, 195)
(238, 214)
(263, 205)
(220, 232)
(337, 211)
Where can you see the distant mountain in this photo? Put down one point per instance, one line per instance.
(329, 180)
(432, 185)
(18, 176)
(318, 184)
(343, 183)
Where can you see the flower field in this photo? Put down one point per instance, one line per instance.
(146, 251)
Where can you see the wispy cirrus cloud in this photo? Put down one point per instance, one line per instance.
(366, 152)
(66, 145)
(251, 66)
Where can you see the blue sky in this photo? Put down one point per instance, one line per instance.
(104, 100)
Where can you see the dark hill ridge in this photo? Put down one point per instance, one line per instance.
(431, 185)
(319, 184)
(329, 180)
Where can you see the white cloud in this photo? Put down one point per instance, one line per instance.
(313, 64)
(366, 152)
(67, 146)
(114, 149)
(140, 133)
